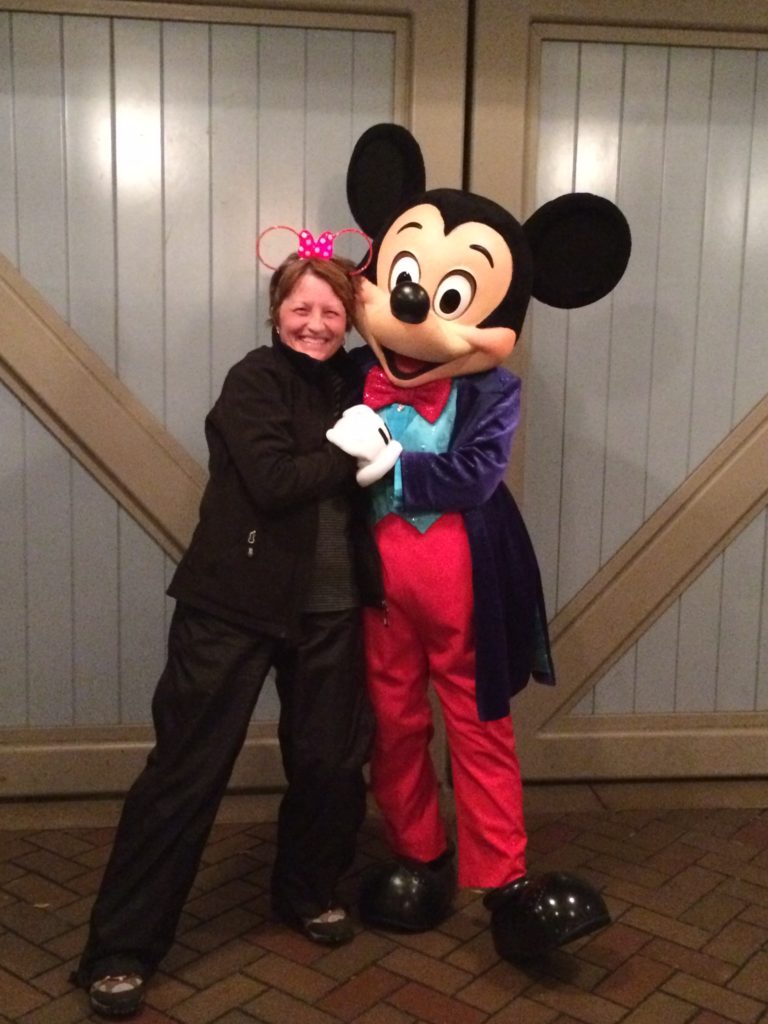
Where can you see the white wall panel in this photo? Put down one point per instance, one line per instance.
(139, 210)
(96, 610)
(234, 162)
(761, 694)
(186, 233)
(89, 183)
(545, 387)
(629, 363)
(141, 158)
(328, 132)
(13, 592)
(373, 96)
(142, 620)
(751, 364)
(7, 170)
(39, 153)
(675, 314)
(722, 245)
(49, 577)
(652, 378)
(91, 296)
(589, 338)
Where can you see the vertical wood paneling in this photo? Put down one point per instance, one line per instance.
(596, 170)
(675, 313)
(234, 130)
(49, 577)
(547, 332)
(142, 620)
(147, 155)
(13, 592)
(372, 82)
(655, 376)
(139, 210)
(95, 601)
(761, 697)
(42, 247)
(7, 153)
(140, 324)
(722, 244)
(639, 196)
(13, 602)
(751, 363)
(187, 224)
(89, 182)
(39, 154)
(91, 305)
(329, 129)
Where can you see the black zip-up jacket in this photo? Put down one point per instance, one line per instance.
(251, 555)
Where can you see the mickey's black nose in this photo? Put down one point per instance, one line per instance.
(409, 303)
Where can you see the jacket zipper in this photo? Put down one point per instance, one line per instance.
(251, 542)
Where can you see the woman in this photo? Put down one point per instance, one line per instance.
(277, 568)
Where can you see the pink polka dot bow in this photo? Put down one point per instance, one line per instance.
(315, 248)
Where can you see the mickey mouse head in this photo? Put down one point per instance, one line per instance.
(452, 272)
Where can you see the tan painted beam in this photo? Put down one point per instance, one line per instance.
(78, 398)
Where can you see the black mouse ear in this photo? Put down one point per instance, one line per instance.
(580, 245)
(386, 170)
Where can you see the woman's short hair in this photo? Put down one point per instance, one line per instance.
(335, 272)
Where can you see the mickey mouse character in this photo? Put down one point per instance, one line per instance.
(441, 306)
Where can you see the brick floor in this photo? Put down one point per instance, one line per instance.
(688, 891)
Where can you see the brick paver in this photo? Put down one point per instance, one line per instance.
(688, 890)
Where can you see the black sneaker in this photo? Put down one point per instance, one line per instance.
(117, 995)
(331, 928)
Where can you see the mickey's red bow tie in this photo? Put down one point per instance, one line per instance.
(427, 399)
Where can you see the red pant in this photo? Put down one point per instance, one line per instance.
(427, 635)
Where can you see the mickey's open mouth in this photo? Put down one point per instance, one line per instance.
(405, 367)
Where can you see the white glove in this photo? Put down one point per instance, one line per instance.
(361, 432)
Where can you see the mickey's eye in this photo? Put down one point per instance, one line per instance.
(454, 294)
(404, 268)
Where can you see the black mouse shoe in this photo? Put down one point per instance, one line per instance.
(534, 915)
(408, 895)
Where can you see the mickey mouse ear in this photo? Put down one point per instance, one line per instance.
(385, 171)
(580, 245)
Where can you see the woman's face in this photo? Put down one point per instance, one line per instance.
(311, 318)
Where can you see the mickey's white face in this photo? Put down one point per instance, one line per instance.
(461, 278)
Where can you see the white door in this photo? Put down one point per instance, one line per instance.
(643, 464)
(140, 158)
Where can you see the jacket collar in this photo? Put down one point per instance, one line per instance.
(313, 369)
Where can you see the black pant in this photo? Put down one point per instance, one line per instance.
(201, 710)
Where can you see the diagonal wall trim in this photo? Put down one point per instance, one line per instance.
(78, 398)
(653, 568)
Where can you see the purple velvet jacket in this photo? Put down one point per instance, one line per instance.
(510, 617)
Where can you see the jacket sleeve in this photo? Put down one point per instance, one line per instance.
(470, 471)
(254, 419)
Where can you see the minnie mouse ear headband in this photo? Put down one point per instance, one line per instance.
(320, 248)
